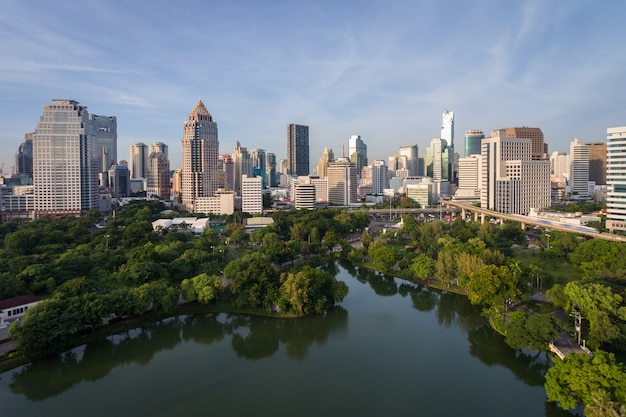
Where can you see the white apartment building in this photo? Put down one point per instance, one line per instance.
(222, 203)
(579, 168)
(251, 194)
(616, 178)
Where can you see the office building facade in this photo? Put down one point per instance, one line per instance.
(616, 178)
(297, 150)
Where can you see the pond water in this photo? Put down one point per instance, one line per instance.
(391, 348)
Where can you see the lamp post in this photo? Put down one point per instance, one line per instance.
(548, 236)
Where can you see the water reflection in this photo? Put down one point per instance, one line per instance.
(251, 338)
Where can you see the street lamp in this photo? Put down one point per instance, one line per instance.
(548, 236)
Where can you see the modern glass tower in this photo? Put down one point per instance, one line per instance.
(297, 150)
(200, 176)
(472, 142)
(65, 160)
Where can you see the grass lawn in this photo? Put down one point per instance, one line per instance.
(552, 270)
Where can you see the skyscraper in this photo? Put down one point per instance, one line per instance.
(616, 178)
(379, 177)
(200, 175)
(579, 168)
(342, 182)
(597, 162)
(138, 161)
(105, 128)
(241, 159)
(447, 128)
(511, 181)
(65, 160)
(158, 180)
(297, 150)
(322, 165)
(24, 157)
(438, 160)
(357, 152)
(410, 152)
(472, 142)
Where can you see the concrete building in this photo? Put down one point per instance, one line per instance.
(223, 202)
(342, 182)
(24, 157)
(579, 168)
(65, 160)
(616, 178)
(512, 182)
(251, 194)
(535, 135)
(105, 129)
(304, 194)
(138, 161)
(412, 160)
(423, 192)
(469, 178)
(243, 165)
(158, 181)
(321, 189)
(200, 175)
(119, 181)
(560, 164)
(322, 165)
(438, 160)
(380, 180)
(297, 150)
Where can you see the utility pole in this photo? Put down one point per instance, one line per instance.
(578, 323)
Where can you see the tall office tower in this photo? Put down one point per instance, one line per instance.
(447, 128)
(251, 194)
(283, 166)
(512, 182)
(534, 134)
(304, 193)
(616, 178)
(379, 177)
(579, 168)
(138, 160)
(559, 164)
(177, 187)
(472, 142)
(159, 147)
(321, 189)
(342, 182)
(24, 157)
(597, 162)
(438, 160)
(322, 165)
(243, 166)
(411, 159)
(227, 179)
(357, 152)
(200, 153)
(105, 128)
(297, 150)
(258, 164)
(270, 170)
(65, 160)
(365, 182)
(119, 181)
(158, 181)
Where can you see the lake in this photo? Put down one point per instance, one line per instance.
(391, 348)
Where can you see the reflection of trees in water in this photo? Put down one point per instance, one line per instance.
(259, 337)
(455, 309)
(297, 335)
(489, 346)
(423, 298)
(383, 285)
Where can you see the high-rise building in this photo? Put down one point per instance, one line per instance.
(243, 165)
(597, 162)
(159, 147)
(270, 170)
(105, 128)
(616, 178)
(379, 177)
(200, 156)
(259, 163)
(469, 173)
(472, 142)
(322, 165)
(24, 157)
(119, 181)
(534, 134)
(251, 194)
(438, 160)
(65, 160)
(297, 150)
(342, 182)
(158, 181)
(357, 152)
(579, 168)
(447, 128)
(511, 181)
(138, 160)
(227, 180)
(304, 194)
(560, 164)
(410, 152)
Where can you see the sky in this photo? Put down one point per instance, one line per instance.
(385, 70)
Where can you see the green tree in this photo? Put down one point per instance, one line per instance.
(580, 379)
(423, 267)
(530, 331)
(382, 255)
(445, 267)
(203, 288)
(492, 285)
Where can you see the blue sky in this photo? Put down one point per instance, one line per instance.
(385, 70)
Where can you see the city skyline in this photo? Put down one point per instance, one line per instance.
(551, 65)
